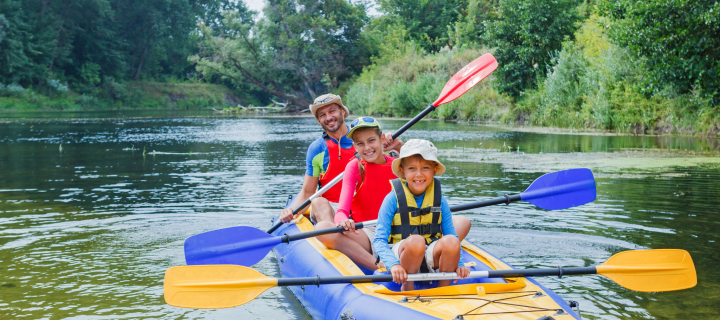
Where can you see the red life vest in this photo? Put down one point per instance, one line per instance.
(339, 158)
(370, 193)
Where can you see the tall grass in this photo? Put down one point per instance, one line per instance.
(596, 84)
(113, 95)
(406, 84)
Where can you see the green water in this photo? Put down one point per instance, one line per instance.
(89, 221)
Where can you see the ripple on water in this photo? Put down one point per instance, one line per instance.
(87, 231)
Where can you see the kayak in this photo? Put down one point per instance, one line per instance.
(472, 299)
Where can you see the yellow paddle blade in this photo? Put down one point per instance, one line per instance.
(470, 288)
(651, 270)
(214, 287)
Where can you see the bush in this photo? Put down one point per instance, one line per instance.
(405, 85)
(596, 84)
(526, 35)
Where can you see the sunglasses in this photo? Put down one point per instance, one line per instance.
(363, 119)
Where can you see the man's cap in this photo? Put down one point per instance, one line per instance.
(424, 148)
(363, 122)
(327, 99)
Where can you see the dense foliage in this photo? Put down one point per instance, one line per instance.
(82, 42)
(680, 40)
(527, 33)
(299, 48)
(612, 64)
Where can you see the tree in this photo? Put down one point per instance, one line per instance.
(680, 40)
(526, 34)
(426, 21)
(297, 51)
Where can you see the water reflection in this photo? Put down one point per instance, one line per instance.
(87, 230)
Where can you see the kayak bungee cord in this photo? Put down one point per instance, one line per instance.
(488, 302)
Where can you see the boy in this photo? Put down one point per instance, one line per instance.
(415, 231)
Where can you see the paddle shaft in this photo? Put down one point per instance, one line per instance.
(479, 204)
(560, 271)
(304, 235)
(339, 177)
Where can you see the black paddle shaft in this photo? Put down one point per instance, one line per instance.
(415, 120)
(479, 204)
(499, 200)
(304, 235)
(559, 271)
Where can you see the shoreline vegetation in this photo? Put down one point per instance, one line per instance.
(604, 66)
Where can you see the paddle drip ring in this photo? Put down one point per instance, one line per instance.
(507, 199)
(560, 274)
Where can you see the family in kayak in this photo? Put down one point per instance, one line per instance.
(415, 230)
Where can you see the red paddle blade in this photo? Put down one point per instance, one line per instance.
(467, 78)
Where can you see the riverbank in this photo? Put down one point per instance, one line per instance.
(592, 84)
(142, 95)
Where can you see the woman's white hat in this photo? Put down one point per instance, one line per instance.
(424, 148)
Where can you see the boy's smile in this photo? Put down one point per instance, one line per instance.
(418, 173)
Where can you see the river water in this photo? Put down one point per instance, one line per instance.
(95, 207)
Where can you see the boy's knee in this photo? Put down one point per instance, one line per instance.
(451, 241)
(449, 244)
(416, 244)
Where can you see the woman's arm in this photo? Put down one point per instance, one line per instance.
(350, 180)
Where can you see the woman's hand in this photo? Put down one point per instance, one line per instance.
(391, 144)
(349, 225)
(399, 274)
(286, 215)
(462, 272)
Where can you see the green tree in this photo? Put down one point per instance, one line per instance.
(297, 51)
(526, 35)
(680, 40)
(469, 28)
(426, 20)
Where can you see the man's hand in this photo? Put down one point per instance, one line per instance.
(399, 274)
(391, 144)
(349, 225)
(286, 215)
(462, 272)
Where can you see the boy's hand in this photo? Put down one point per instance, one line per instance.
(349, 225)
(286, 215)
(399, 274)
(462, 272)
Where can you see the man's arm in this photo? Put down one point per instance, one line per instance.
(308, 189)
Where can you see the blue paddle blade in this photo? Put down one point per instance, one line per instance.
(562, 189)
(243, 246)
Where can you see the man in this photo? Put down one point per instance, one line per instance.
(326, 159)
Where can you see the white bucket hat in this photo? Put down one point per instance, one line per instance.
(327, 99)
(424, 148)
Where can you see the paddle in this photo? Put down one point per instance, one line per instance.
(552, 191)
(225, 286)
(246, 246)
(461, 82)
